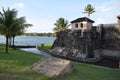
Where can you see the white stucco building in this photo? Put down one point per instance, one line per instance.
(82, 24)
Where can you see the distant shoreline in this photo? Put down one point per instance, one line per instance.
(40, 34)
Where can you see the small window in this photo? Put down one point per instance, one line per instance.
(76, 25)
(81, 25)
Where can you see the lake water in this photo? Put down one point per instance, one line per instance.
(36, 51)
(30, 40)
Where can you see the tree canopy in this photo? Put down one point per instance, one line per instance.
(11, 25)
(89, 10)
(61, 24)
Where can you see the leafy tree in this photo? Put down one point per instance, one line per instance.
(10, 25)
(7, 18)
(89, 10)
(19, 27)
(61, 24)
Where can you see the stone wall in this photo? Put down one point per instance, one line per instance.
(111, 38)
(76, 44)
(83, 45)
(119, 64)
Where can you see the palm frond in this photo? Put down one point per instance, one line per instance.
(89, 9)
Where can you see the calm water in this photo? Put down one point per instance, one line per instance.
(36, 51)
(30, 40)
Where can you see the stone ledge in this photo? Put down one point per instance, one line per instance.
(53, 66)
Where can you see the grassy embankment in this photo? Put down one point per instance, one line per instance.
(44, 46)
(16, 66)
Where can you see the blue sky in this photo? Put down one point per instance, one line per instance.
(43, 13)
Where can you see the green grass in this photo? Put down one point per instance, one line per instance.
(89, 72)
(45, 46)
(16, 66)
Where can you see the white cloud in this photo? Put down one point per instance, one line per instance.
(40, 25)
(103, 8)
(100, 21)
(19, 5)
(111, 6)
(114, 3)
(106, 12)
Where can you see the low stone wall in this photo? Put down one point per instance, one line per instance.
(107, 62)
(53, 66)
(111, 54)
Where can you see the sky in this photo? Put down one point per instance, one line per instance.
(44, 13)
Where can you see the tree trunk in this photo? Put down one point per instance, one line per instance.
(9, 41)
(88, 15)
(13, 41)
(7, 44)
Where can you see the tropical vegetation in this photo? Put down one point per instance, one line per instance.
(89, 10)
(11, 25)
(61, 24)
(19, 27)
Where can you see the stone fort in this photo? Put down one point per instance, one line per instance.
(87, 43)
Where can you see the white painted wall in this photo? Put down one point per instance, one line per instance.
(86, 25)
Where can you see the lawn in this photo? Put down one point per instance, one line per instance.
(16, 66)
(89, 72)
(44, 46)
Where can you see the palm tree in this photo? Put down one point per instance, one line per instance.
(19, 27)
(10, 25)
(89, 10)
(7, 18)
(61, 24)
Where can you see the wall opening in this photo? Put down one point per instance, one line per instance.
(81, 25)
(76, 25)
